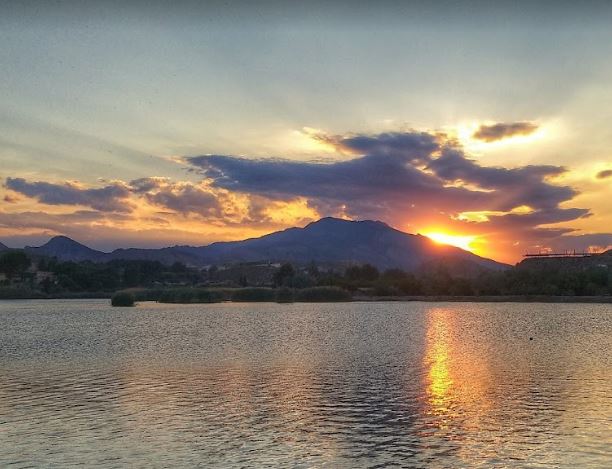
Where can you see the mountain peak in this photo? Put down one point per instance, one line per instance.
(334, 222)
(62, 241)
(66, 248)
(327, 221)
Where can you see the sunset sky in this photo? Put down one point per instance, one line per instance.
(485, 124)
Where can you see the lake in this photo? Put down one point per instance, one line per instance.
(305, 385)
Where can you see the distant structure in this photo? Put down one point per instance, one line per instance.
(560, 254)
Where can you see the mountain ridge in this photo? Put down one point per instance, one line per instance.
(328, 240)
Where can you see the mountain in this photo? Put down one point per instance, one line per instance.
(333, 240)
(3, 247)
(67, 249)
(327, 241)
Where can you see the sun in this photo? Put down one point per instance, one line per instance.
(460, 241)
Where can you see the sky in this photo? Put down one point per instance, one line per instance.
(482, 124)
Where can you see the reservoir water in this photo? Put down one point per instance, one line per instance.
(305, 385)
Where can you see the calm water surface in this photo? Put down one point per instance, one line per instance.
(305, 385)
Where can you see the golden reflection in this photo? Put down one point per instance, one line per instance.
(437, 361)
(458, 378)
(458, 383)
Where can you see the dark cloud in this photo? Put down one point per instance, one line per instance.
(372, 179)
(595, 242)
(180, 197)
(399, 175)
(514, 187)
(606, 173)
(492, 133)
(513, 221)
(410, 146)
(111, 198)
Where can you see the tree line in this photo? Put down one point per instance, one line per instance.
(359, 280)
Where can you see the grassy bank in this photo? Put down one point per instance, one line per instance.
(250, 295)
(286, 295)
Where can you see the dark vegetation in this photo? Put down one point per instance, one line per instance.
(26, 276)
(122, 298)
(14, 263)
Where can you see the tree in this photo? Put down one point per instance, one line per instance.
(313, 270)
(242, 281)
(364, 273)
(14, 262)
(283, 277)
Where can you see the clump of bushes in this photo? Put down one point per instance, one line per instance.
(285, 295)
(322, 294)
(122, 298)
(254, 295)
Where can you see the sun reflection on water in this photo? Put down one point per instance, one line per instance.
(437, 362)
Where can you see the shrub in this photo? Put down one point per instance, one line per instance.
(122, 299)
(322, 294)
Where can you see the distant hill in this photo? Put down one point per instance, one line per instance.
(329, 241)
(67, 249)
(3, 247)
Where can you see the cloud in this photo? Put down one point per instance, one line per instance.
(10, 199)
(110, 198)
(606, 173)
(594, 242)
(181, 197)
(499, 131)
(514, 187)
(415, 146)
(396, 173)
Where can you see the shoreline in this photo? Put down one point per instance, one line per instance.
(373, 299)
(490, 299)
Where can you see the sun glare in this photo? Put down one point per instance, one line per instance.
(463, 242)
